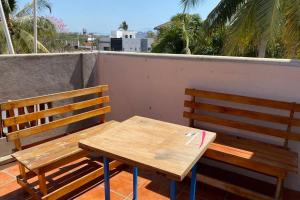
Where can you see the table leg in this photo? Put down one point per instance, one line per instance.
(135, 183)
(106, 178)
(173, 190)
(193, 183)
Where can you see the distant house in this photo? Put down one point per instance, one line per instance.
(130, 41)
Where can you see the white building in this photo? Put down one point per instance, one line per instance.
(130, 41)
(123, 34)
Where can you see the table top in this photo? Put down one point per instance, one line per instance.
(165, 148)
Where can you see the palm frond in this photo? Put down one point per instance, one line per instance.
(188, 4)
(268, 18)
(41, 6)
(291, 32)
(224, 12)
(27, 39)
(242, 29)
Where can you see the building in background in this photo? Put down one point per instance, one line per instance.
(104, 43)
(130, 41)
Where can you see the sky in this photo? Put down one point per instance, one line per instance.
(104, 16)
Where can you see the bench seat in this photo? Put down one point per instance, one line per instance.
(247, 117)
(59, 149)
(254, 155)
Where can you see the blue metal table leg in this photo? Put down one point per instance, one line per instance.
(106, 178)
(135, 182)
(173, 190)
(193, 183)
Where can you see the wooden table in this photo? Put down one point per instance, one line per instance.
(169, 149)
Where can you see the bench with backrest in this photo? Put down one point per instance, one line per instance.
(239, 121)
(39, 115)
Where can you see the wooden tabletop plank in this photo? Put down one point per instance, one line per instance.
(61, 148)
(158, 146)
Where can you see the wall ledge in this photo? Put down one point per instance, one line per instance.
(269, 61)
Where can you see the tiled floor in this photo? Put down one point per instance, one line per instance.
(150, 187)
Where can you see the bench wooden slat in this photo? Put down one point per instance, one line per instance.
(58, 149)
(243, 99)
(272, 151)
(53, 97)
(54, 111)
(58, 123)
(295, 122)
(239, 112)
(255, 156)
(244, 126)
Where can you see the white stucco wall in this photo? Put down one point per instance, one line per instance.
(153, 85)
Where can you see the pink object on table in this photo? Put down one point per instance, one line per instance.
(203, 138)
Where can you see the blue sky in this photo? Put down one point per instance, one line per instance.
(102, 16)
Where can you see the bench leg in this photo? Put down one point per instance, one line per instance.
(22, 171)
(279, 187)
(42, 184)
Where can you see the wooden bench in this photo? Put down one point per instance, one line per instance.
(36, 161)
(239, 121)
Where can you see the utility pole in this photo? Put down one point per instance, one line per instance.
(35, 49)
(6, 31)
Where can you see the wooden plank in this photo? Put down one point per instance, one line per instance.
(35, 194)
(295, 122)
(53, 97)
(240, 99)
(54, 111)
(162, 147)
(253, 156)
(240, 191)
(57, 123)
(42, 184)
(79, 182)
(241, 125)
(245, 163)
(59, 151)
(239, 112)
(261, 149)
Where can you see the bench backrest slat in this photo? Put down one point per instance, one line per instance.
(57, 123)
(53, 97)
(203, 108)
(38, 114)
(54, 111)
(243, 99)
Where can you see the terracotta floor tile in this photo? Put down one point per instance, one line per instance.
(13, 170)
(97, 193)
(122, 183)
(5, 178)
(12, 191)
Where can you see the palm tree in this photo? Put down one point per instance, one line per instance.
(20, 26)
(124, 26)
(256, 22)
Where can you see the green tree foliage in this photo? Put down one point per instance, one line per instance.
(257, 24)
(20, 23)
(173, 37)
(124, 26)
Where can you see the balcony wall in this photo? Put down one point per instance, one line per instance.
(148, 84)
(153, 85)
(25, 76)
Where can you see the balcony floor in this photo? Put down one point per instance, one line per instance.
(150, 186)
